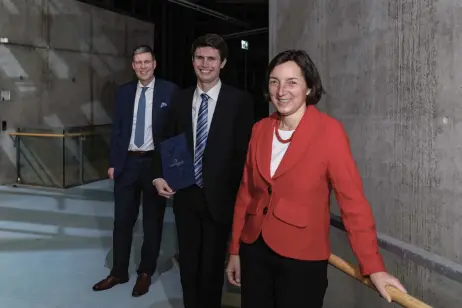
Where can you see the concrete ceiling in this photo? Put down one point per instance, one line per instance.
(254, 12)
(232, 1)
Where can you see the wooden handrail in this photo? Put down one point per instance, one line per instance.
(397, 296)
(51, 135)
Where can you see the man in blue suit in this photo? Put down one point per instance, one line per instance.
(140, 110)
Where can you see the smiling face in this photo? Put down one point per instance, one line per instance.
(144, 65)
(288, 89)
(207, 64)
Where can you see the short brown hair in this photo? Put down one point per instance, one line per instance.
(143, 49)
(211, 40)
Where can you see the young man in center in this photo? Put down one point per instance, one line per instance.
(217, 120)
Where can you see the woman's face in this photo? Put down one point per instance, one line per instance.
(288, 89)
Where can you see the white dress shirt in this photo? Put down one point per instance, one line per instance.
(212, 103)
(148, 141)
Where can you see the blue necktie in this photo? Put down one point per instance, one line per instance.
(201, 139)
(140, 119)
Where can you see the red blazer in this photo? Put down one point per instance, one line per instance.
(291, 209)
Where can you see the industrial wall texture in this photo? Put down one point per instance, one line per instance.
(62, 63)
(393, 74)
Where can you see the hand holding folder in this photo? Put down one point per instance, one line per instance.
(177, 162)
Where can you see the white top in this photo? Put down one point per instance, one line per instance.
(148, 141)
(212, 103)
(279, 149)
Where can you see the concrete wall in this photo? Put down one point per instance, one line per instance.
(62, 64)
(393, 73)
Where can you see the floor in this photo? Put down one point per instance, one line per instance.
(55, 244)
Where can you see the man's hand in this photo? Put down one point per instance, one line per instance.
(110, 173)
(162, 188)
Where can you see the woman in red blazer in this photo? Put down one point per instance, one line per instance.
(280, 237)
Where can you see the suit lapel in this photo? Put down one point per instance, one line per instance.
(132, 96)
(156, 104)
(264, 148)
(302, 137)
(218, 115)
(188, 109)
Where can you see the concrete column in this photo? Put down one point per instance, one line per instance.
(393, 73)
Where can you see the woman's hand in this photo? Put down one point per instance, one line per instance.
(233, 270)
(383, 279)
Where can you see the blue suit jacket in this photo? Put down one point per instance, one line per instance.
(123, 118)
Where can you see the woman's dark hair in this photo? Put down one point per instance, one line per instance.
(211, 40)
(309, 71)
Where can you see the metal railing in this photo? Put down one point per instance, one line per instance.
(61, 158)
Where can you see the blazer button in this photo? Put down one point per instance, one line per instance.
(270, 190)
(265, 210)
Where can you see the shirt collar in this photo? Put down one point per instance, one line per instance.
(212, 93)
(150, 85)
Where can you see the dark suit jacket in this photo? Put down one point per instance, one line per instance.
(123, 118)
(226, 148)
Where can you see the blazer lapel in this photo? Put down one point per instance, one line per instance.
(156, 104)
(188, 107)
(264, 148)
(301, 140)
(131, 106)
(218, 114)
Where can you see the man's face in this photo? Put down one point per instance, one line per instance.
(144, 65)
(207, 64)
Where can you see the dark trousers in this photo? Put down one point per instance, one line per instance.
(202, 244)
(133, 183)
(269, 280)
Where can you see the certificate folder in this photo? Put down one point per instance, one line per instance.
(177, 162)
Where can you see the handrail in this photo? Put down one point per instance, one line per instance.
(60, 137)
(26, 158)
(397, 296)
(53, 135)
(417, 255)
(405, 300)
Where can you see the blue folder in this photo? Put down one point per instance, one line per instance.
(177, 162)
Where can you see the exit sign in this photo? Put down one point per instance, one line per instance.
(244, 45)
